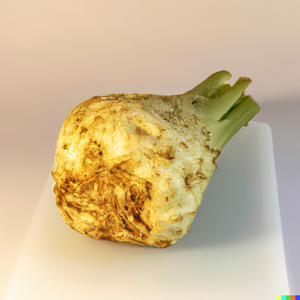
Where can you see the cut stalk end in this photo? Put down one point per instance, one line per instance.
(227, 109)
(212, 86)
(224, 129)
(218, 106)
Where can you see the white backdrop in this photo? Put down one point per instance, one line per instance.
(56, 54)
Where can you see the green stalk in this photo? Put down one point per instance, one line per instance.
(212, 86)
(227, 109)
(219, 106)
(224, 130)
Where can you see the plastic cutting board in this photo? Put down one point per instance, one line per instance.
(234, 249)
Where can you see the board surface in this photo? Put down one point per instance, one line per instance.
(234, 249)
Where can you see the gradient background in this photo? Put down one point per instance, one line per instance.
(56, 54)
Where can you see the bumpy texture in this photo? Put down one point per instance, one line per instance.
(133, 168)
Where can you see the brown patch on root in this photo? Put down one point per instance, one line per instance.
(141, 132)
(111, 217)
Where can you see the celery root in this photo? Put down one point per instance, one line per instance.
(134, 167)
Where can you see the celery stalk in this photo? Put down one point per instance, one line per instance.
(227, 110)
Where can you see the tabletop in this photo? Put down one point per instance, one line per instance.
(56, 54)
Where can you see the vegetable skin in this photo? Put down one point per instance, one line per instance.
(134, 167)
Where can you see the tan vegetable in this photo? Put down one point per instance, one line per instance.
(133, 168)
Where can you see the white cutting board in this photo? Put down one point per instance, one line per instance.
(234, 249)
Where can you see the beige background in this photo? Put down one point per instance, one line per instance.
(56, 54)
